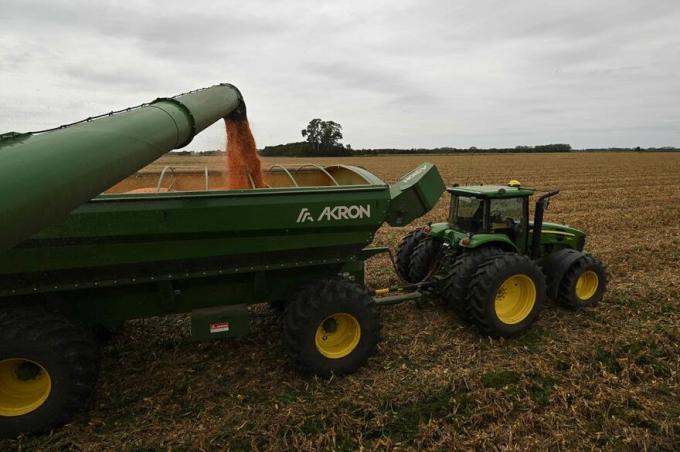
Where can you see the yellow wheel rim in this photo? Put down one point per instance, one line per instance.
(586, 285)
(515, 299)
(24, 386)
(338, 335)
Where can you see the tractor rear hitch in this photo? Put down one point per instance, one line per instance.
(407, 292)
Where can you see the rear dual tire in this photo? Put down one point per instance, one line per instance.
(457, 285)
(506, 294)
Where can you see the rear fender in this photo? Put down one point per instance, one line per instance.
(556, 265)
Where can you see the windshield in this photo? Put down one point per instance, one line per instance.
(468, 214)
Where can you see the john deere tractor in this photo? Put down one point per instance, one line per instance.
(494, 266)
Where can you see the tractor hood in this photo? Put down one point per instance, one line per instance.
(561, 229)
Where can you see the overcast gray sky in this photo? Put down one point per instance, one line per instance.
(393, 73)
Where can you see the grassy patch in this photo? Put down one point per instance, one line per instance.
(541, 388)
(500, 379)
(626, 300)
(313, 426)
(407, 417)
(644, 353)
(607, 359)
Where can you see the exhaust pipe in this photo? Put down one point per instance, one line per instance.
(541, 205)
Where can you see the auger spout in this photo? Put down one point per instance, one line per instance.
(45, 175)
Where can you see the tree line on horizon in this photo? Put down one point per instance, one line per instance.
(303, 149)
(322, 138)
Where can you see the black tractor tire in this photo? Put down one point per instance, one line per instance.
(460, 275)
(423, 258)
(331, 328)
(404, 251)
(584, 284)
(48, 370)
(105, 333)
(514, 281)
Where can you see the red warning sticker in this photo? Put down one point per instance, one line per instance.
(220, 327)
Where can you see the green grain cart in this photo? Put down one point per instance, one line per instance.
(74, 261)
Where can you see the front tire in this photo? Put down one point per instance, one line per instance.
(48, 370)
(584, 284)
(506, 294)
(404, 251)
(423, 258)
(332, 327)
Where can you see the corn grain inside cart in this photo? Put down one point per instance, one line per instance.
(74, 261)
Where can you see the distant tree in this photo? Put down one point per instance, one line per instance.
(313, 133)
(323, 135)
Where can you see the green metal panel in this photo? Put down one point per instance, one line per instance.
(135, 230)
(49, 174)
(415, 195)
(109, 260)
(555, 237)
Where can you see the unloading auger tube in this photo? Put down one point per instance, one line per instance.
(44, 175)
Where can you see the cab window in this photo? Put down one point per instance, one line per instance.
(504, 210)
(506, 216)
(468, 214)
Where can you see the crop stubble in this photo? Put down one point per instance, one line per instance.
(602, 378)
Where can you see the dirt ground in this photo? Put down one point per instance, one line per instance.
(603, 378)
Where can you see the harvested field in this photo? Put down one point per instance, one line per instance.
(605, 378)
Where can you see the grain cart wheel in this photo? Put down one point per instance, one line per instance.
(506, 294)
(48, 370)
(423, 258)
(404, 251)
(331, 328)
(457, 283)
(584, 283)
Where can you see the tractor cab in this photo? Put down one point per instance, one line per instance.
(499, 215)
(492, 209)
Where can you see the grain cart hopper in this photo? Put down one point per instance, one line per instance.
(73, 260)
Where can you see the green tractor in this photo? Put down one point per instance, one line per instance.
(494, 266)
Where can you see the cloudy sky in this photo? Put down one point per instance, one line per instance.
(393, 73)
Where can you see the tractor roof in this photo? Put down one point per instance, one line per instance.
(513, 190)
